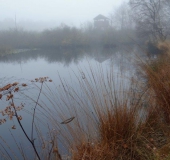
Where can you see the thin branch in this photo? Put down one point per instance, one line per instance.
(32, 131)
(32, 142)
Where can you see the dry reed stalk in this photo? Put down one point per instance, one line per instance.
(113, 119)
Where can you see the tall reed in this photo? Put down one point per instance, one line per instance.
(111, 117)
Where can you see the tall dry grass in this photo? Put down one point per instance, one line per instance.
(113, 120)
(158, 74)
(130, 124)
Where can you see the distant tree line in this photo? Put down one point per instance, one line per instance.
(137, 21)
(65, 36)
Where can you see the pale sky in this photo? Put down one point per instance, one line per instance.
(61, 11)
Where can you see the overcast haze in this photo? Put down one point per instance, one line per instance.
(55, 12)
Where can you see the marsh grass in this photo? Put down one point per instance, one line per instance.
(127, 124)
(158, 74)
(120, 133)
(111, 117)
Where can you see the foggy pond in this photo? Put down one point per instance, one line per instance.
(63, 65)
(82, 80)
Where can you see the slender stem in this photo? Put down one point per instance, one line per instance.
(32, 142)
(32, 131)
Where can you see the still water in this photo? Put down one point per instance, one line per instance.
(63, 65)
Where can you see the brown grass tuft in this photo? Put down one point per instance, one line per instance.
(158, 75)
(164, 47)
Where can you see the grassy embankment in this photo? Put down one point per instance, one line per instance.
(5, 50)
(111, 121)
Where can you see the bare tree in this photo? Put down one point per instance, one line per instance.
(121, 17)
(152, 18)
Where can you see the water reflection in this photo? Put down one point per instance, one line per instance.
(65, 56)
(119, 56)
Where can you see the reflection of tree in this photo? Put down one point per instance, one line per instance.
(125, 59)
(64, 56)
(51, 56)
(101, 55)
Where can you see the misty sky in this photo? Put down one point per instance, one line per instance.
(73, 10)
